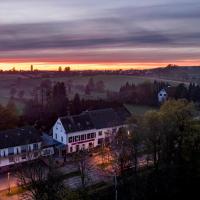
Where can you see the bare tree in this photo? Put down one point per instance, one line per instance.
(121, 151)
(81, 158)
(40, 182)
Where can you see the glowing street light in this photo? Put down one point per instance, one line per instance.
(8, 182)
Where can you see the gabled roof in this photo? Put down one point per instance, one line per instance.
(102, 118)
(19, 136)
(77, 123)
(162, 91)
(123, 113)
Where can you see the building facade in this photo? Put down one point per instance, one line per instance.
(89, 129)
(162, 96)
(20, 145)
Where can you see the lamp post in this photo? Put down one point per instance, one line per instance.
(8, 182)
(115, 179)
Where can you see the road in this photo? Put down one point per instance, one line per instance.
(4, 183)
(94, 175)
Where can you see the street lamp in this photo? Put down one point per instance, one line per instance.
(115, 179)
(8, 182)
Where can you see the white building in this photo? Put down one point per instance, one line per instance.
(20, 145)
(89, 129)
(162, 96)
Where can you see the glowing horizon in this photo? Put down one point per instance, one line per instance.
(88, 66)
(87, 34)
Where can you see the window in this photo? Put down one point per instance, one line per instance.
(100, 141)
(11, 151)
(90, 145)
(77, 138)
(71, 149)
(35, 146)
(46, 152)
(70, 139)
(23, 157)
(92, 135)
(56, 136)
(82, 137)
(11, 159)
(61, 138)
(24, 148)
(17, 150)
(88, 136)
(100, 133)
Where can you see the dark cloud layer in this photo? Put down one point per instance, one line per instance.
(165, 26)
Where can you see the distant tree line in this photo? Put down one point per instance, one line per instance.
(147, 93)
(143, 93)
(50, 101)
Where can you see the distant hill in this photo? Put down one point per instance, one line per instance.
(178, 73)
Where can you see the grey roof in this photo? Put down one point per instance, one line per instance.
(102, 118)
(77, 122)
(19, 136)
(48, 141)
(123, 113)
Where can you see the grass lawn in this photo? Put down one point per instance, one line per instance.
(137, 109)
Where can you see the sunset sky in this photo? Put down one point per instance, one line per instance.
(99, 34)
